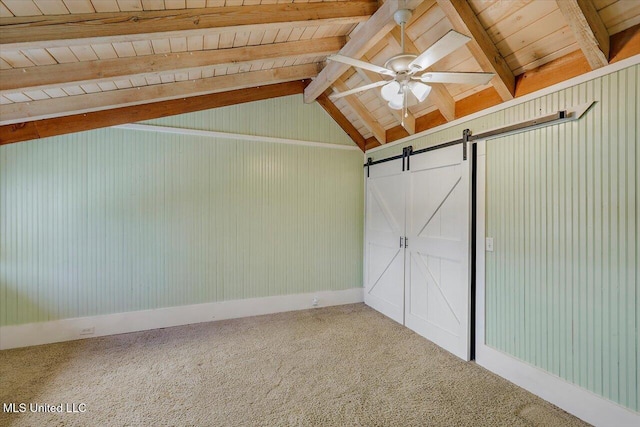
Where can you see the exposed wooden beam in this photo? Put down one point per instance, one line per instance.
(371, 143)
(420, 9)
(481, 46)
(556, 71)
(625, 44)
(362, 112)
(396, 132)
(75, 29)
(374, 30)
(439, 93)
(430, 120)
(341, 120)
(83, 122)
(479, 101)
(443, 100)
(104, 70)
(57, 107)
(588, 29)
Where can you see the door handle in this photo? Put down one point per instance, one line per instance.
(400, 241)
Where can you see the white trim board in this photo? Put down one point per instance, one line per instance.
(576, 400)
(625, 63)
(120, 323)
(231, 135)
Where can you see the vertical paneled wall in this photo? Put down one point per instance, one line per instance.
(116, 220)
(562, 207)
(287, 117)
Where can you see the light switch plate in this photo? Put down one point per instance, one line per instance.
(489, 244)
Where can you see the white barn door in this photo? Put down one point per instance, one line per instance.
(384, 258)
(417, 245)
(437, 274)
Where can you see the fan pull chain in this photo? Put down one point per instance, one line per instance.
(404, 105)
(406, 101)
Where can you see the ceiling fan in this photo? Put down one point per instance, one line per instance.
(405, 68)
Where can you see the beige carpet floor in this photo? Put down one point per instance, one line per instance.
(336, 366)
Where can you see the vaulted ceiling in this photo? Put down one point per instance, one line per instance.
(72, 65)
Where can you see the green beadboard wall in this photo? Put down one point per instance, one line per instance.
(562, 206)
(116, 220)
(286, 117)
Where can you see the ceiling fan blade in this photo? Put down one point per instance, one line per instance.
(465, 78)
(361, 64)
(357, 89)
(443, 47)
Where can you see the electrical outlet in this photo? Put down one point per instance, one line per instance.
(88, 331)
(315, 302)
(489, 244)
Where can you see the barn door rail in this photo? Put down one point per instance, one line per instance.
(468, 137)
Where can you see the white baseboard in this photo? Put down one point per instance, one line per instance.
(119, 323)
(576, 400)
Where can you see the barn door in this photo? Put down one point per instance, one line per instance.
(384, 253)
(437, 281)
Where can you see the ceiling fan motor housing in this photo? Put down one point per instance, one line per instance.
(402, 16)
(400, 63)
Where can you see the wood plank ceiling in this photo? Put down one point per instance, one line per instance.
(71, 65)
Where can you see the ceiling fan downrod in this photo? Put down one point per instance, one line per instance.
(402, 16)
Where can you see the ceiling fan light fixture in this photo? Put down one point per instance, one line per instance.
(419, 90)
(396, 104)
(391, 91)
